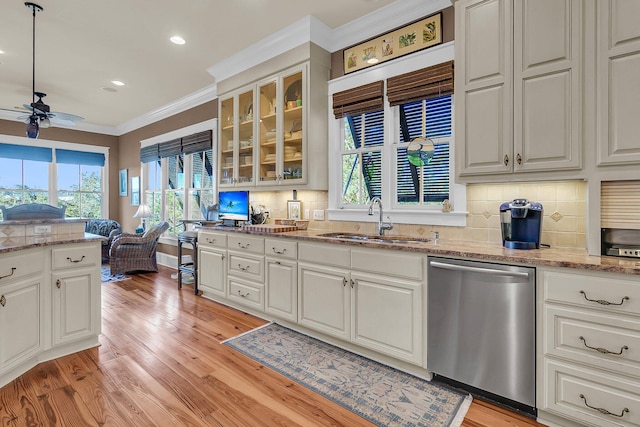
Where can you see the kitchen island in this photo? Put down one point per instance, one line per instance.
(49, 292)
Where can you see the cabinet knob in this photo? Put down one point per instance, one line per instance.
(58, 284)
(353, 283)
(506, 160)
(519, 159)
(3, 301)
(344, 281)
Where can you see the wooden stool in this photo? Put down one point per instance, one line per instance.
(191, 238)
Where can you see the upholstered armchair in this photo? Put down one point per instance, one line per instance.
(136, 252)
(108, 228)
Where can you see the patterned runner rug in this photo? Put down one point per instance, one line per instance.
(376, 392)
(107, 277)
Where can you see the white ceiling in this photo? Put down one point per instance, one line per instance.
(82, 45)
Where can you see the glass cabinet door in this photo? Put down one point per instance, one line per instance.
(245, 138)
(227, 137)
(292, 132)
(267, 131)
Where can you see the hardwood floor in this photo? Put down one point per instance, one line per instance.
(161, 364)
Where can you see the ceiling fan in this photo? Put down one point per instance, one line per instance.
(41, 115)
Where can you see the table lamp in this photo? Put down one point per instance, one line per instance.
(143, 212)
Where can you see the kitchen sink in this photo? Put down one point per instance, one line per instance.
(372, 238)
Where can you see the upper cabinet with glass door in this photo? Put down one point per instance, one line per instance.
(236, 139)
(281, 130)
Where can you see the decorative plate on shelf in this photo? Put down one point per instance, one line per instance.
(294, 91)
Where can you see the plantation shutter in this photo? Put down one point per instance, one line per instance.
(426, 83)
(359, 100)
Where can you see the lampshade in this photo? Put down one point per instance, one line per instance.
(142, 212)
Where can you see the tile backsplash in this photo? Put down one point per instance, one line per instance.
(564, 222)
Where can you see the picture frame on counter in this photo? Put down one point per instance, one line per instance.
(294, 207)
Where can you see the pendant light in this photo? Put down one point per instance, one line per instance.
(33, 127)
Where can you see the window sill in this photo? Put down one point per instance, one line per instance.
(451, 219)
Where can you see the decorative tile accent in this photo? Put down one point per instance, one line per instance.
(556, 216)
(486, 214)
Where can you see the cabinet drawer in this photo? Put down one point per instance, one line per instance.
(570, 388)
(250, 267)
(593, 338)
(333, 255)
(391, 263)
(246, 293)
(212, 239)
(21, 264)
(281, 248)
(594, 290)
(74, 256)
(254, 245)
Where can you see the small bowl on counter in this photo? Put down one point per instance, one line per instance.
(302, 224)
(284, 221)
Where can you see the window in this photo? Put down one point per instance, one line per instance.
(178, 176)
(401, 152)
(73, 178)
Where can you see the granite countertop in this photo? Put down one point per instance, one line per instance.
(483, 251)
(18, 243)
(43, 221)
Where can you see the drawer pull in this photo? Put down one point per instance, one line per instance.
(13, 270)
(602, 410)
(279, 252)
(243, 295)
(75, 260)
(243, 246)
(603, 350)
(3, 301)
(602, 301)
(244, 268)
(212, 241)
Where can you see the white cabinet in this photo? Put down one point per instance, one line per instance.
(212, 255)
(281, 279)
(21, 322)
(245, 270)
(590, 368)
(75, 285)
(518, 88)
(237, 139)
(618, 56)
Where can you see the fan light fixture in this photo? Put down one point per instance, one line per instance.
(33, 128)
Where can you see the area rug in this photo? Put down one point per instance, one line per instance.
(376, 392)
(107, 277)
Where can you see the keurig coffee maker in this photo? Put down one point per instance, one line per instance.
(521, 222)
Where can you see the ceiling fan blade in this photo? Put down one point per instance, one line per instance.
(61, 121)
(64, 116)
(24, 118)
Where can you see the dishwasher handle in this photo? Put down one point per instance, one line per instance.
(482, 270)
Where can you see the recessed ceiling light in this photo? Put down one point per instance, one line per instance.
(117, 82)
(177, 40)
(2, 51)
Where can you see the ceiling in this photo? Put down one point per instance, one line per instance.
(82, 45)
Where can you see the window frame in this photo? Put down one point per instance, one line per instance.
(53, 169)
(426, 215)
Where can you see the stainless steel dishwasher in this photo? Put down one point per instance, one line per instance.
(481, 329)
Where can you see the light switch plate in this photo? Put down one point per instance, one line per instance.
(42, 229)
(318, 214)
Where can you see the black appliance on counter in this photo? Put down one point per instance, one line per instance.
(521, 223)
(620, 242)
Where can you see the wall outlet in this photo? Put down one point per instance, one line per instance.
(306, 214)
(42, 229)
(318, 214)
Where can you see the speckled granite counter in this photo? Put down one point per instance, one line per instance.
(560, 257)
(18, 243)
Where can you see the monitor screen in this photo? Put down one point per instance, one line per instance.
(233, 205)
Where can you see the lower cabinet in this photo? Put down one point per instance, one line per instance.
(213, 271)
(75, 302)
(21, 322)
(281, 288)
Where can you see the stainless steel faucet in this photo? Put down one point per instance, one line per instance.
(381, 224)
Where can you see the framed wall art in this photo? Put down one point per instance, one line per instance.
(294, 207)
(411, 38)
(123, 182)
(135, 191)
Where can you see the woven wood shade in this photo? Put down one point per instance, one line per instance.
(359, 100)
(620, 204)
(426, 83)
(170, 148)
(197, 142)
(149, 153)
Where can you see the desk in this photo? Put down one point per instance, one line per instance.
(191, 238)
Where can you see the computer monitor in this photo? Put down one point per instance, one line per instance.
(233, 206)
